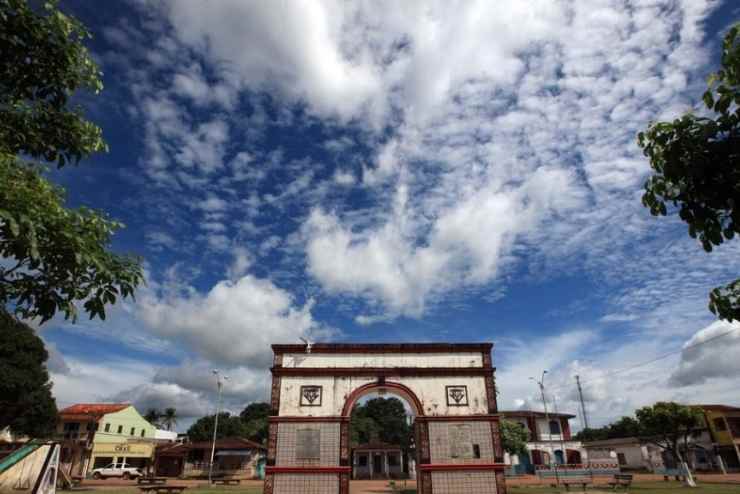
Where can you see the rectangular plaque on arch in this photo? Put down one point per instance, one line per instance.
(460, 440)
(308, 444)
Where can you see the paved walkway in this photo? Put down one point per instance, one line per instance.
(377, 486)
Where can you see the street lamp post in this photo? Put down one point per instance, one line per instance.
(541, 384)
(219, 384)
(560, 427)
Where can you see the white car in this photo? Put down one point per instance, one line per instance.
(122, 470)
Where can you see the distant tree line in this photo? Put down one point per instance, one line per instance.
(251, 423)
(166, 418)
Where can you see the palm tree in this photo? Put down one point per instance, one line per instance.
(153, 416)
(169, 418)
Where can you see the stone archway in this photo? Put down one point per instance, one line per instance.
(451, 386)
(394, 388)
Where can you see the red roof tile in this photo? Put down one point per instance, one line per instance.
(93, 409)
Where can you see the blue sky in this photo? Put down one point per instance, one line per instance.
(413, 172)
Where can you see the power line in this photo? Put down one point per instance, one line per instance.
(647, 362)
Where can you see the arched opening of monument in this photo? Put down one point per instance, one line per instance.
(382, 436)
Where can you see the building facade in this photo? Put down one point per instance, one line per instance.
(94, 435)
(714, 446)
(378, 460)
(723, 425)
(234, 458)
(550, 441)
(630, 452)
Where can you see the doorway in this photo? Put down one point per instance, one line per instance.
(377, 465)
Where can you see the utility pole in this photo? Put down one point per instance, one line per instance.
(583, 405)
(219, 384)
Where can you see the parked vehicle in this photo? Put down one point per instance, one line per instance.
(122, 470)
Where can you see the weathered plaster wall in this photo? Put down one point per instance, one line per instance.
(335, 391)
(468, 359)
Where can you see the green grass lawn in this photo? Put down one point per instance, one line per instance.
(638, 488)
(190, 490)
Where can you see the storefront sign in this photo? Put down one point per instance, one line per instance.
(123, 449)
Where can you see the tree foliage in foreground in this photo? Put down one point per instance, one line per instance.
(696, 164)
(669, 426)
(26, 404)
(54, 256)
(514, 437)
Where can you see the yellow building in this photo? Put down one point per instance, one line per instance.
(724, 425)
(96, 434)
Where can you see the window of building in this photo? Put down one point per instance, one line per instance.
(719, 424)
(476, 450)
(392, 460)
(362, 460)
(120, 429)
(621, 459)
(554, 427)
(143, 431)
(107, 427)
(133, 431)
(71, 426)
(734, 423)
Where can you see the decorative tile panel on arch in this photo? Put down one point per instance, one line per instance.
(311, 396)
(457, 396)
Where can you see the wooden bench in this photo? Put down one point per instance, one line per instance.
(151, 480)
(581, 479)
(162, 489)
(621, 480)
(226, 481)
(566, 477)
